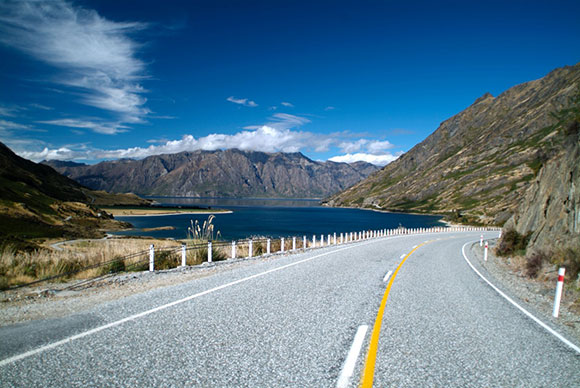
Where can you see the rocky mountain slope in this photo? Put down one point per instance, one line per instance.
(549, 212)
(477, 164)
(38, 202)
(229, 173)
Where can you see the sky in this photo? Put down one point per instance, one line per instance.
(336, 80)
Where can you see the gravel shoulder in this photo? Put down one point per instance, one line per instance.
(537, 295)
(55, 300)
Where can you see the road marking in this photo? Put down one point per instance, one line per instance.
(165, 306)
(350, 362)
(369, 368)
(523, 310)
(402, 256)
(414, 246)
(387, 276)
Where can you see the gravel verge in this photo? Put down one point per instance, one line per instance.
(54, 300)
(536, 295)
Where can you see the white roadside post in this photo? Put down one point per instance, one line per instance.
(304, 242)
(293, 243)
(485, 252)
(151, 258)
(268, 246)
(282, 243)
(313, 241)
(233, 249)
(499, 234)
(183, 255)
(328, 240)
(559, 288)
(209, 252)
(321, 240)
(334, 238)
(481, 240)
(250, 248)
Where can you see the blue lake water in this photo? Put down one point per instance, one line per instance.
(273, 218)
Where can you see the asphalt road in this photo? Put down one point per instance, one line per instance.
(290, 322)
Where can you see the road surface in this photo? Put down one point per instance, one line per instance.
(291, 322)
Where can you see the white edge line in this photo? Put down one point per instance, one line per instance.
(53, 345)
(352, 357)
(523, 310)
(403, 255)
(387, 276)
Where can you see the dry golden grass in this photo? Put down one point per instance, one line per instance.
(24, 267)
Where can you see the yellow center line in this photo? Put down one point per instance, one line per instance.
(369, 368)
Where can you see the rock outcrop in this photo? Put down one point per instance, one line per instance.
(550, 209)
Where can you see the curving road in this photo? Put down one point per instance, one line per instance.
(291, 322)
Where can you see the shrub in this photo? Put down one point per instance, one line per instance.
(570, 259)
(534, 263)
(167, 260)
(513, 243)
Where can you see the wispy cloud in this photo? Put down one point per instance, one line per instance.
(97, 58)
(242, 101)
(40, 106)
(9, 111)
(95, 126)
(287, 104)
(10, 125)
(329, 108)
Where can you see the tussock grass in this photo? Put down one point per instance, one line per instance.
(109, 256)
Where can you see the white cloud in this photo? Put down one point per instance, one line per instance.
(96, 56)
(379, 160)
(40, 106)
(264, 138)
(242, 101)
(374, 147)
(287, 104)
(329, 108)
(8, 125)
(105, 128)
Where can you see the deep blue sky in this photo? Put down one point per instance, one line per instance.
(94, 80)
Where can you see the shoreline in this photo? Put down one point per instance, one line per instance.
(159, 212)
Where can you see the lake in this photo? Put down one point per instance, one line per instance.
(272, 218)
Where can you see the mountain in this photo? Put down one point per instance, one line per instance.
(229, 173)
(478, 164)
(549, 213)
(38, 202)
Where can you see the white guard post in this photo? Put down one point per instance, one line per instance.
(151, 258)
(559, 287)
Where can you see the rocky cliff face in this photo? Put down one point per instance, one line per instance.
(230, 173)
(550, 208)
(478, 163)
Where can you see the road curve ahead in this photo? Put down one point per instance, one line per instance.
(292, 322)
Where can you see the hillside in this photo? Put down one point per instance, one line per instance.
(229, 173)
(477, 164)
(549, 213)
(38, 202)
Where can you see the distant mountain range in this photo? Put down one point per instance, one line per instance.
(478, 164)
(229, 173)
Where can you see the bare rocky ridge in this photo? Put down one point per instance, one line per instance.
(480, 162)
(229, 173)
(550, 209)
